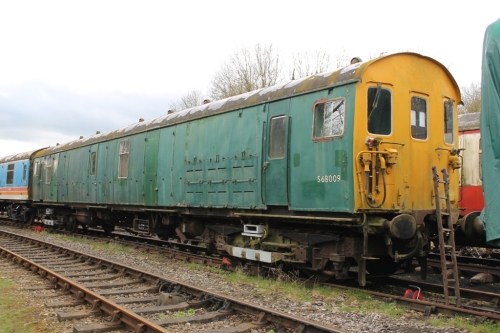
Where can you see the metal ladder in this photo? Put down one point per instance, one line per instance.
(443, 248)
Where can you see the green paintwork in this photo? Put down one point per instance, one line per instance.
(151, 169)
(92, 182)
(324, 158)
(215, 162)
(276, 174)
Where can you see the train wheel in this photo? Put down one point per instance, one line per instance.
(385, 265)
(29, 218)
(71, 224)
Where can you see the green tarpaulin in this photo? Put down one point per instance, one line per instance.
(490, 132)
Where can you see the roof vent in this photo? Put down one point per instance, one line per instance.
(355, 60)
(98, 132)
(81, 136)
(170, 111)
(206, 101)
(57, 144)
(141, 120)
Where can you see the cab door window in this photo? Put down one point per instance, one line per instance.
(418, 118)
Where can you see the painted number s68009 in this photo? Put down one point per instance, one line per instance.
(329, 179)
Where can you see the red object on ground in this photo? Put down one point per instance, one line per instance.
(413, 294)
(226, 261)
(38, 228)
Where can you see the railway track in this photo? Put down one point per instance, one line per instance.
(488, 312)
(121, 297)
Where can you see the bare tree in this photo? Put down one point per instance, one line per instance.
(305, 63)
(340, 59)
(191, 99)
(247, 70)
(471, 96)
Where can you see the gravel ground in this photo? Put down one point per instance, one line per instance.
(326, 312)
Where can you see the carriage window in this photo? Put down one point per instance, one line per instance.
(10, 174)
(329, 118)
(448, 122)
(92, 163)
(25, 170)
(418, 118)
(379, 111)
(123, 160)
(277, 137)
(35, 169)
(48, 171)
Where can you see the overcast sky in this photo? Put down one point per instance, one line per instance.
(70, 68)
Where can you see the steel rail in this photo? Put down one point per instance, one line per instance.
(424, 306)
(425, 286)
(302, 325)
(118, 312)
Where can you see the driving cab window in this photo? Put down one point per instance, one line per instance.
(379, 111)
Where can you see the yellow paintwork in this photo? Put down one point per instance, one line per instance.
(409, 174)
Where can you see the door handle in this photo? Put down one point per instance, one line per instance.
(264, 167)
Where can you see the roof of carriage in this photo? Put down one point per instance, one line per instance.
(469, 121)
(340, 76)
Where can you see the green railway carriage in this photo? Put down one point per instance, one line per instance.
(213, 161)
(318, 173)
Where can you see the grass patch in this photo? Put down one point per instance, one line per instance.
(182, 314)
(179, 314)
(14, 316)
(467, 323)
